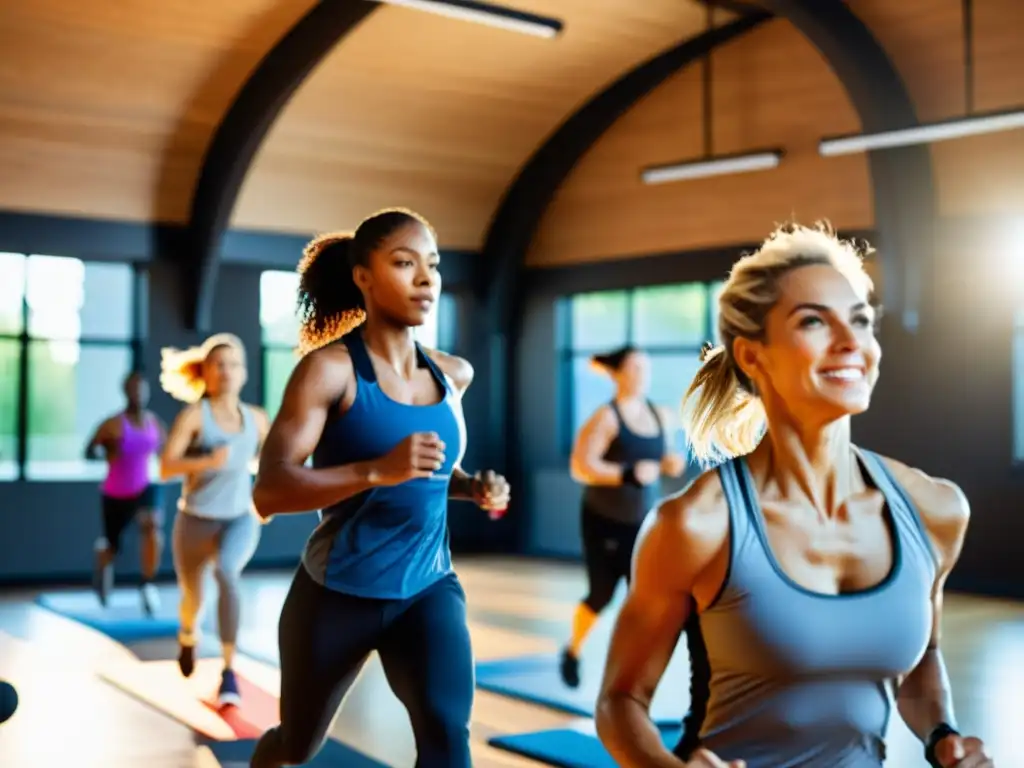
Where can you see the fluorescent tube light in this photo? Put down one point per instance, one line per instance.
(713, 166)
(485, 13)
(923, 134)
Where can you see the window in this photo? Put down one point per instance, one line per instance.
(1018, 385)
(670, 323)
(280, 331)
(68, 335)
(279, 324)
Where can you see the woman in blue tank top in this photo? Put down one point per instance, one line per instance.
(382, 419)
(816, 567)
(620, 454)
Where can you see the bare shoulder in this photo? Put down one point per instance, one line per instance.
(689, 528)
(328, 367)
(456, 368)
(942, 505)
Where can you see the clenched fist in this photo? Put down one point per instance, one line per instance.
(491, 492)
(421, 454)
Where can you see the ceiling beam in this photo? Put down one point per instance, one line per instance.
(239, 136)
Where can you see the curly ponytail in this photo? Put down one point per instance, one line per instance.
(330, 303)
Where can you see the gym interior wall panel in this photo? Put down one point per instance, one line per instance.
(771, 88)
(107, 106)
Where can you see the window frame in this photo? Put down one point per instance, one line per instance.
(25, 339)
(567, 353)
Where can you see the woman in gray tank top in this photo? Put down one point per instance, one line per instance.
(620, 454)
(816, 567)
(212, 446)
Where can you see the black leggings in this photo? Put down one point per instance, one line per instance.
(608, 553)
(423, 644)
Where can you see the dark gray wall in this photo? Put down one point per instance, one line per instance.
(47, 529)
(943, 404)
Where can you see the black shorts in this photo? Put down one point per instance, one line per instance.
(119, 513)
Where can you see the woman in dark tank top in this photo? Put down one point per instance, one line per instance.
(816, 567)
(620, 455)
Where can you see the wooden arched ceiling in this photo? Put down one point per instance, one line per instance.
(107, 107)
(773, 88)
(438, 115)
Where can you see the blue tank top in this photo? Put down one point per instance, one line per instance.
(805, 679)
(388, 542)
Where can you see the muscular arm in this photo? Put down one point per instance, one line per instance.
(173, 462)
(284, 485)
(925, 697)
(586, 464)
(675, 547)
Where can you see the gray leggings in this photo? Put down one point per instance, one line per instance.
(195, 542)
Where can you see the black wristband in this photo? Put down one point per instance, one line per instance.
(629, 475)
(939, 732)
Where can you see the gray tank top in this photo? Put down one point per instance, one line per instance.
(804, 679)
(226, 493)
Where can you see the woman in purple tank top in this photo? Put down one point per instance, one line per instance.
(128, 441)
(816, 568)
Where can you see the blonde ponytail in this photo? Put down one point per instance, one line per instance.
(721, 419)
(181, 370)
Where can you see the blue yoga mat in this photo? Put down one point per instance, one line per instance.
(123, 619)
(568, 747)
(333, 755)
(536, 679)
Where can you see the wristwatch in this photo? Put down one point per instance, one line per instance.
(939, 732)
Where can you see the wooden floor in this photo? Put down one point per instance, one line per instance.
(68, 717)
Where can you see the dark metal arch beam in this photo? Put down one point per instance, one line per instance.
(239, 136)
(903, 183)
(521, 209)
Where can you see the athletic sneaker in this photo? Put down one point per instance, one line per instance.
(150, 598)
(570, 669)
(187, 659)
(229, 694)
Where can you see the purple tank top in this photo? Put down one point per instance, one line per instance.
(128, 472)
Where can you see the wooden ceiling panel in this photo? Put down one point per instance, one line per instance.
(979, 175)
(771, 89)
(107, 106)
(439, 114)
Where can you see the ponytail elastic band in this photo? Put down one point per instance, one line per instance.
(709, 350)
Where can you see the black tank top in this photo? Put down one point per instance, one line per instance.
(627, 503)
